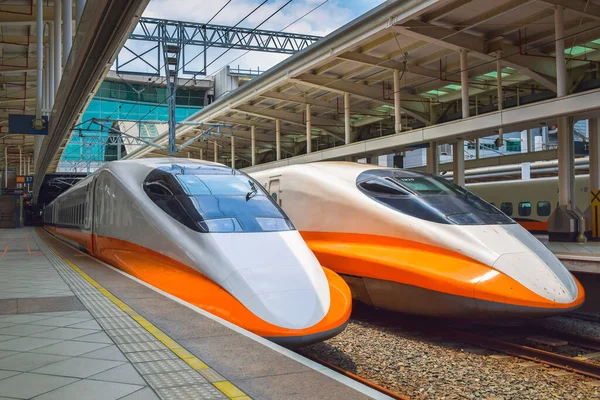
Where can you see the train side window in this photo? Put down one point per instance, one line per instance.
(524, 209)
(507, 208)
(544, 208)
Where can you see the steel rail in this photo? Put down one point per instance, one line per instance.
(358, 378)
(529, 353)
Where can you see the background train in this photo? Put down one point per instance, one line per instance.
(209, 235)
(416, 243)
(530, 202)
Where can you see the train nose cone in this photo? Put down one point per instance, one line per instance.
(294, 310)
(538, 269)
(284, 296)
(532, 272)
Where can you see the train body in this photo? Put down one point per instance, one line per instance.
(209, 235)
(530, 202)
(415, 243)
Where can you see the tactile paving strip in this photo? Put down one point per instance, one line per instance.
(172, 372)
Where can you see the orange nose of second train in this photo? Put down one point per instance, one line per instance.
(498, 294)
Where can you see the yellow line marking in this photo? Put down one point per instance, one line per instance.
(226, 387)
(229, 389)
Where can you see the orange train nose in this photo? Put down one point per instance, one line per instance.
(499, 293)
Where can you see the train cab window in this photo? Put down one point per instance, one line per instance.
(524, 209)
(544, 208)
(428, 197)
(214, 199)
(507, 208)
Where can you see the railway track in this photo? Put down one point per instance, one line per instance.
(573, 353)
(538, 345)
(358, 378)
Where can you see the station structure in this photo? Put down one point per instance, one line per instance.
(464, 86)
(424, 74)
(437, 75)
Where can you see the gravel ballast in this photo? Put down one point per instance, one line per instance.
(427, 366)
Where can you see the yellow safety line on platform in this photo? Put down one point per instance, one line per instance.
(226, 387)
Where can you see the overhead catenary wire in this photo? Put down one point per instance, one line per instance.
(229, 48)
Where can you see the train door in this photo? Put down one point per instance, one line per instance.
(274, 190)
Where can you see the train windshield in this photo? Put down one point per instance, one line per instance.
(428, 197)
(214, 199)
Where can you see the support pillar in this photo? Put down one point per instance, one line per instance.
(216, 151)
(530, 141)
(79, 6)
(233, 152)
(278, 139)
(202, 154)
(397, 103)
(477, 149)
(308, 130)
(253, 143)
(561, 67)
(594, 210)
(67, 9)
(500, 141)
(57, 45)
(51, 56)
(347, 127)
(458, 148)
(458, 154)
(40, 63)
(566, 222)
(433, 159)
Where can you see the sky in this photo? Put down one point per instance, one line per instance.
(330, 16)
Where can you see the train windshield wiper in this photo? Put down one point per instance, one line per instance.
(252, 192)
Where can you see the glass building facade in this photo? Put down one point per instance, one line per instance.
(119, 100)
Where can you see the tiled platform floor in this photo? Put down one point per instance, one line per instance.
(72, 328)
(51, 347)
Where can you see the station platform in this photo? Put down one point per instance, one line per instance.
(72, 327)
(577, 257)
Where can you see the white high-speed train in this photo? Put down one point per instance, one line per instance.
(209, 235)
(416, 243)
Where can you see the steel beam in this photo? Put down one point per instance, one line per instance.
(198, 34)
(363, 91)
(108, 24)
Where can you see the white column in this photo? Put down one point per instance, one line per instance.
(201, 153)
(57, 45)
(458, 148)
(51, 56)
(216, 151)
(233, 152)
(525, 171)
(278, 139)
(46, 101)
(432, 158)
(561, 67)
(565, 157)
(40, 58)
(458, 164)
(594, 124)
(79, 6)
(67, 9)
(464, 83)
(308, 130)
(253, 144)
(397, 105)
(347, 127)
(500, 93)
